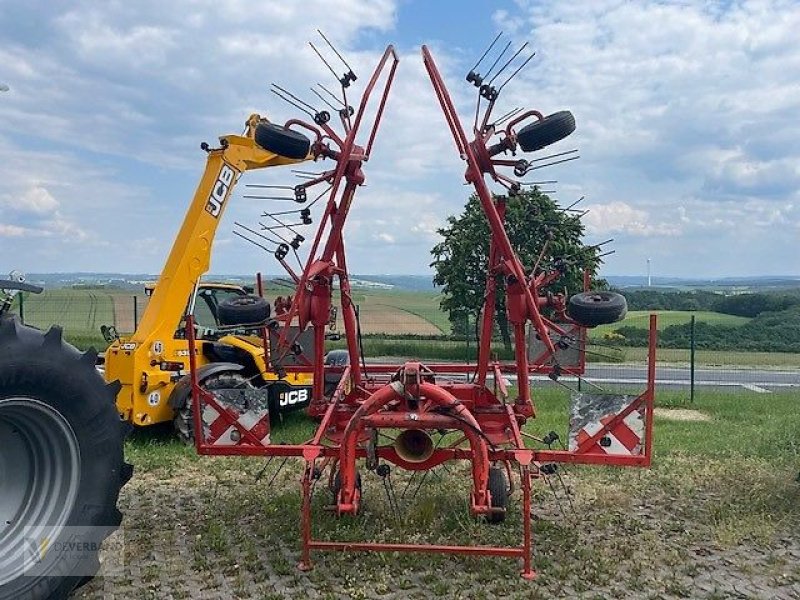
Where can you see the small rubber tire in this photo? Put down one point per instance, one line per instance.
(336, 485)
(549, 130)
(498, 488)
(281, 141)
(58, 421)
(247, 309)
(591, 309)
(183, 421)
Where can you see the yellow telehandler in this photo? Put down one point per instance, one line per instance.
(152, 363)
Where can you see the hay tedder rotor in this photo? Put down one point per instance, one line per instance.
(355, 400)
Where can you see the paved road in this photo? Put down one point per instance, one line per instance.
(757, 380)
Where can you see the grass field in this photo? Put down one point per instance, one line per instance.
(641, 319)
(717, 516)
(81, 312)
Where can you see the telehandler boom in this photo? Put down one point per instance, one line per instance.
(152, 361)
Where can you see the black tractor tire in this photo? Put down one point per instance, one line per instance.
(338, 358)
(61, 463)
(549, 130)
(183, 421)
(498, 488)
(243, 310)
(281, 141)
(591, 309)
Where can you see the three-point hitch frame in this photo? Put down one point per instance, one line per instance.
(486, 424)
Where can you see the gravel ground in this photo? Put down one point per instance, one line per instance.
(684, 529)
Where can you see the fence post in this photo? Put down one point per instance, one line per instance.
(135, 312)
(21, 308)
(466, 335)
(691, 361)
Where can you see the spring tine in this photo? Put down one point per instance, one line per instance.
(280, 237)
(507, 116)
(280, 224)
(302, 172)
(332, 95)
(322, 58)
(514, 74)
(282, 212)
(252, 197)
(558, 162)
(575, 203)
(254, 232)
(335, 51)
(489, 49)
(274, 187)
(556, 155)
(244, 237)
(497, 60)
(508, 62)
(318, 95)
(292, 102)
(291, 95)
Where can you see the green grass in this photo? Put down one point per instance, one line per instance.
(724, 358)
(641, 319)
(75, 310)
(724, 486)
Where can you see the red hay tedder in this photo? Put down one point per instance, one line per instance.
(484, 421)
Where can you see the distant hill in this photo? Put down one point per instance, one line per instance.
(722, 284)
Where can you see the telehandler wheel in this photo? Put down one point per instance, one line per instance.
(591, 309)
(283, 142)
(61, 463)
(184, 416)
(243, 310)
(548, 131)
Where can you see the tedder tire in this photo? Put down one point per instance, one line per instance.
(591, 309)
(548, 131)
(283, 142)
(498, 488)
(243, 310)
(61, 463)
(184, 416)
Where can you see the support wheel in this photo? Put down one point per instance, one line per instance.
(61, 463)
(591, 309)
(549, 130)
(498, 488)
(283, 142)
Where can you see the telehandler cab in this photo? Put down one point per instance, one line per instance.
(152, 363)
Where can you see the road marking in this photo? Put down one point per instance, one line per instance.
(755, 388)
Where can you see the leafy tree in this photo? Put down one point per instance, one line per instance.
(461, 258)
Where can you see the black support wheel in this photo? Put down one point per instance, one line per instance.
(549, 130)
(281, 141)
(498, 488)
(61, 463)
(591, 309)
(183, 421)
(243, 310)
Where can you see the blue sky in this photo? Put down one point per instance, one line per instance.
(687, 124)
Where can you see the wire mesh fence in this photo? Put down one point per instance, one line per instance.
(401, 325)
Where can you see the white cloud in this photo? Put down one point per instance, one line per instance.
(620, 217)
